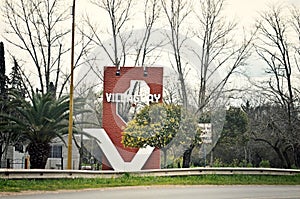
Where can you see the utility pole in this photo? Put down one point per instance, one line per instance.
(70, 130)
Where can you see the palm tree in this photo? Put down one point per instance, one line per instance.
(40, 120)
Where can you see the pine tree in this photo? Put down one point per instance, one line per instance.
(3, 78)
(4, 138)
(7, 86)
(16, 80)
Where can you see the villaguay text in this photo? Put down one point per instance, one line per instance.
(123, 97)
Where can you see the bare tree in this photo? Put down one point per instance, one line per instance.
(121, 31)
(35, 25)
(38, 28)
(119, 13)
(296, 25)
(219, 51)
(143, 48)
(177, 12)
(123, 43)
(171, 90)
(277, 49)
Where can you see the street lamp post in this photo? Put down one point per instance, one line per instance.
(70, 129)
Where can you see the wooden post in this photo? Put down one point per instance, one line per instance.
(70, 130)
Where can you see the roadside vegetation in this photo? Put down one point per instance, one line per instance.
(244, 83)
(129, 180)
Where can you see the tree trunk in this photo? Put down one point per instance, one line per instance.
(287, 160)
(296, 153)
(281, 157)
(2, 71)
(165, 157)
(1, 155)
(187, 156)
(39, 153)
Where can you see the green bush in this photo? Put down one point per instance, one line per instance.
(245, 163)
(265, 164)
(218, 163)
(234, 163)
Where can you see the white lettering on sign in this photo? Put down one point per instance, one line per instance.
(121, 97)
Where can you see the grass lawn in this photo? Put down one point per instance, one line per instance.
(128, 180)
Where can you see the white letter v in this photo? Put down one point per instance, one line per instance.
(114, 157)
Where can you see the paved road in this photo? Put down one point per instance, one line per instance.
(171, 192)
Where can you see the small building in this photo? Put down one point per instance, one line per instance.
(17, 157)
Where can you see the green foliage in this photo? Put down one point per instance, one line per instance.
(16, 80)
(38, 122)
(236, 123)
(244, 163)
(231, 146)
(3, 78)
(218, 163)
(189, 132)
(235, 163)
(172, 162)
(155, 125)
(205, 117)
(131, 180)
(42, 119)
(265, 164)
(159, 124)
(7, 136)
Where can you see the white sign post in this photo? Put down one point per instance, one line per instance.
(206, 136)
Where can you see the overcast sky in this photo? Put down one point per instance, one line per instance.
(243, 10)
